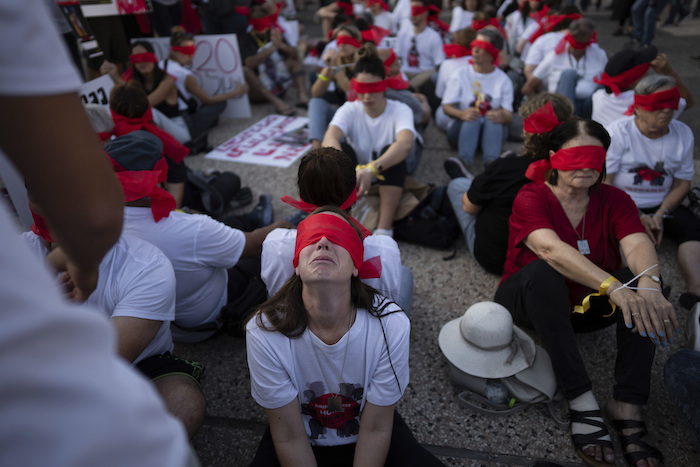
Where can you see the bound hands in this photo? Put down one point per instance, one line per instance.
(646, 312)
(276, 38)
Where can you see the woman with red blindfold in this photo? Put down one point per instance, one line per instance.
(529, 13)
(479, 100)
(562, 276)
(651, 158)
(378, 134)
(328, 359)
(199, 118)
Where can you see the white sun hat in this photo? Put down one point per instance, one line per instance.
(484, 342)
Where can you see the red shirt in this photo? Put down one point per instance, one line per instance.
(610, 217)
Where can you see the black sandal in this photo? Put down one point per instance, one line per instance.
(635, 438)
(582, 440)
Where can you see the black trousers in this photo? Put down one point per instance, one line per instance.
(393, 176)
(404, 450)
(538, 298)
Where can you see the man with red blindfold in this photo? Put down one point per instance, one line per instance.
(570, 68)
(563, 276)
(419, 47)
(328, 359)
(622, 73)
(651, 158)
(554, 31)
(270, 64)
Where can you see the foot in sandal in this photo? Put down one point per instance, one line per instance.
(631, 430)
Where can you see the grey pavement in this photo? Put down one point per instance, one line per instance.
(443, 291)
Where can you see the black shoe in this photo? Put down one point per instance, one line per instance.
(455, 169)
(262, 213)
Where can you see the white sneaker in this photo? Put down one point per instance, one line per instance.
(693, 328)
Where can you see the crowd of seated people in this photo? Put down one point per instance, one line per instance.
(603, 173)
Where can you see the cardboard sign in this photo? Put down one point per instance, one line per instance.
(217, 66)
(97, 91)
(258, 144)
(115, 7)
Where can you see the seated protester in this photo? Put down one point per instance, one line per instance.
(381, 15)
(483, 19)
(419, 47)
(203, 251)
(480, 100)
(203, 110)
(323, 408)
(530, 12)
(398, 89)
(651, 159)
(523, 41)
(329, 90)
(378, 136)
(463, 14)
(563, 276)
(131, 112)
(622, 73)
(541, 44)
(570, 68)
(457, 56)
(328, 13)
(136, 291)
(483, 204)
(270, 65)
(395, 281)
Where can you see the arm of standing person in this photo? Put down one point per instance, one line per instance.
(289, 437)
(196, 90)
(662, 66)
(70, 177)
(374, 437)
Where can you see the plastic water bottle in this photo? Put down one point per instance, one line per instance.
(496, 392)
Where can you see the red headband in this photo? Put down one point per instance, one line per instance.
(171, 147)
(368, 36)
(40, 228)
(309, 208)
(146, 57)
(184, 49)
(346, 7)
(623, 80)
(456, 50)
(365, 88)
(418, 10)
(384, 5)
(658, 100)
(487, 46)
(262, 24)
(580, 157)
(137, 184)
(542, 120)
(573, 43)
(348, 40)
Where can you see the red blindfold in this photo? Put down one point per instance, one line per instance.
(146, 57)
(659, 100)
(456, 50)
(580, 157)
(346, 8)
(348, 40)
(384, 5)
(184, 49)
(623, 80)
(366, 88)
(487, 46)
(542, 120)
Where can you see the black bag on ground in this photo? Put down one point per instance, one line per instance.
(432, 223)
(210, 193)
(246, 291)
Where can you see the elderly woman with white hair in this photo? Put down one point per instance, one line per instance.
(651, 158)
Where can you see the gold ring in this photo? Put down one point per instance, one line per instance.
(635, 314)
(667, 321)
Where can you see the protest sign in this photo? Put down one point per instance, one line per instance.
(96, 91)
(115, 7)
(258, 144)
(217, 66)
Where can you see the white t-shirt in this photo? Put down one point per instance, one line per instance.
(525, 36)
(402, 14)
(136, 281)
(282, 369)
(428, 44)
(368, 135)
(448, 69)
(386, 21)
(592, 64)
(514, 27)
(461, 18)
(608, 107)
(278, 252)
(201, 251)
(495, 86)
(541, 47)
(70, 400)
(671, 156)
(180, 73)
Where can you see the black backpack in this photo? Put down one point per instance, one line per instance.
(432, 223)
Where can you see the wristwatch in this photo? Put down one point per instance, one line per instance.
(652, 277)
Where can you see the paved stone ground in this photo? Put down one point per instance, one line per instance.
(443, 291)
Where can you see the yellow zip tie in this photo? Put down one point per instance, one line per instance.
(373, 168)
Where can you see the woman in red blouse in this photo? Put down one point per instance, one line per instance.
(562, 275)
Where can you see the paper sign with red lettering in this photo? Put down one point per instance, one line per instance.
(217, 67)
(269, 142)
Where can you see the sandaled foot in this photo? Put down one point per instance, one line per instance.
(630, 432)
(592, 448)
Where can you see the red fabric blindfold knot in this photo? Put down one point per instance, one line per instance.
(365, 88)
(418, 10)
(172, 148)
(487, 46)
(184, 49)
(542, 120)
(659, 100)
(337, 231)
(623, 80)
(146, 57)
(140, 183)
(390, 59)
(456, 50)
(396, 82)
(346, 7)
(580, 157)
(40, 227)
(350, 40)
(384, 5)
